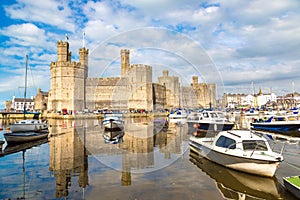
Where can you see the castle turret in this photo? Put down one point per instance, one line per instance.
(195, 80)
(165, 73)
(83, 59)
(63, 53)
(125, 62)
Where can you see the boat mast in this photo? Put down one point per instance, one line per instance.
(25, 85)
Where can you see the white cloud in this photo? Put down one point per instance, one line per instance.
(50, 12)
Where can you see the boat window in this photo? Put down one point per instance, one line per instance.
(279, 119)
(226, 142)
(205, 115)
(213, 115)
(292, 118)
(221, 115)
(254, 144)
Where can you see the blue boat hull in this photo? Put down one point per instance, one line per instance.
(289, 130)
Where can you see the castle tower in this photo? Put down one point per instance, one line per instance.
(83, 59)
(195, 80)
(63, 53)
(125, 62)
(67, 80)
(165, 73)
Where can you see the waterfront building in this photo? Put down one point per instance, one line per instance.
(8, 106)
(41, 100)
(290, 100)
(17, 104)
(263, 99)
(247, 100)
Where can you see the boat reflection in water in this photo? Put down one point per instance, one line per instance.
(238, 185)
(17, 147)
(113, 137)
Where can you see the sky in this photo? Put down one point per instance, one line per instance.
(242, 46)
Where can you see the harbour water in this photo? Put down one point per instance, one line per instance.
(147, 162)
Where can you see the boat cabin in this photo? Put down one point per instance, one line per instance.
(229, 140)
(207, 115)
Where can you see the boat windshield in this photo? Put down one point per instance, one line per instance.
(258, 145)
(226, 142)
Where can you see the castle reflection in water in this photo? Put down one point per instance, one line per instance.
(144, 147)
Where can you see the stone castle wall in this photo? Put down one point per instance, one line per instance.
(71, 88)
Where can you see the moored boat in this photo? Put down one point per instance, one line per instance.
(210, 121)
(285, 124)
(28, 125)
(178, 114)
(113, 122)
(233, 184)
(242, 150)
(20, 137)
(292, 183)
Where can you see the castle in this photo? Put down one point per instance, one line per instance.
(71, 89)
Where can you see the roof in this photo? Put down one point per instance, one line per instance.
(22, 100)
(242, 135)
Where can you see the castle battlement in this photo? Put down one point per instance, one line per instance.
(125, 51)
(83, 50)
(143, 66)
(65, 64)
(111, 81)
(62, 43)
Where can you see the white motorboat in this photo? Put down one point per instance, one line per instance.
(233, 184)
(113, 122)
(242, 150)
(21, 137)
(28, 125)
(209, 121)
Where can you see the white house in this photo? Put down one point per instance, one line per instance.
(17, 104)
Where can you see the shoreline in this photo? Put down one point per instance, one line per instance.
(81, 116)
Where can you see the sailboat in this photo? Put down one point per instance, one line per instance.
(26, 125)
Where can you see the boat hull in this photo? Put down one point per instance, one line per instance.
(20, 137)
(252, 166)
(285, 129)
(113, 125)
(294, 189)
(28, 127)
